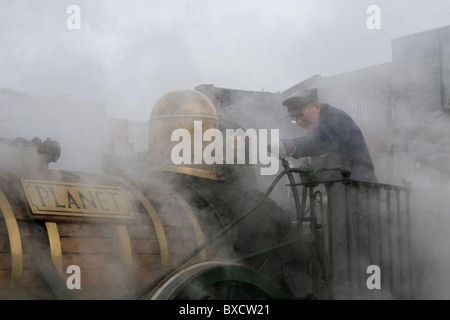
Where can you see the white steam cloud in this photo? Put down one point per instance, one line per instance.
(128, 54)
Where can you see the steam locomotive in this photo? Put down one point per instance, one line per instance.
(150, 229)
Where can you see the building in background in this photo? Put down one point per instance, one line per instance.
(401, 106)
(421, 103)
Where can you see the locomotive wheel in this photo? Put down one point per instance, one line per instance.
(217, 281)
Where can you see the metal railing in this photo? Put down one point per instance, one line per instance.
(359, 235)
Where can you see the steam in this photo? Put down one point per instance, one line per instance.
(428, 169)
(125, 57)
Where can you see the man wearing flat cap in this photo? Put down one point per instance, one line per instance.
(333, 139)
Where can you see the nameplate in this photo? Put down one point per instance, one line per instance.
(77, 200)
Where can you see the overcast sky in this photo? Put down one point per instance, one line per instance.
(127, 54)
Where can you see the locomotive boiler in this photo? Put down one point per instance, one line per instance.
(159, 230)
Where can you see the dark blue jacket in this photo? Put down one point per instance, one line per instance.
(338, 141)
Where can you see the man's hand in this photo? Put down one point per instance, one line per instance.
(285, 147)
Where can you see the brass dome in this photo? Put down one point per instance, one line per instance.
(178, 110)
(184, 103)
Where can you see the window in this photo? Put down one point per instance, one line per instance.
(360, 111)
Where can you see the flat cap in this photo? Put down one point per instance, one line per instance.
(301, 100)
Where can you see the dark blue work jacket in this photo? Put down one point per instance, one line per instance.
(339, 142)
